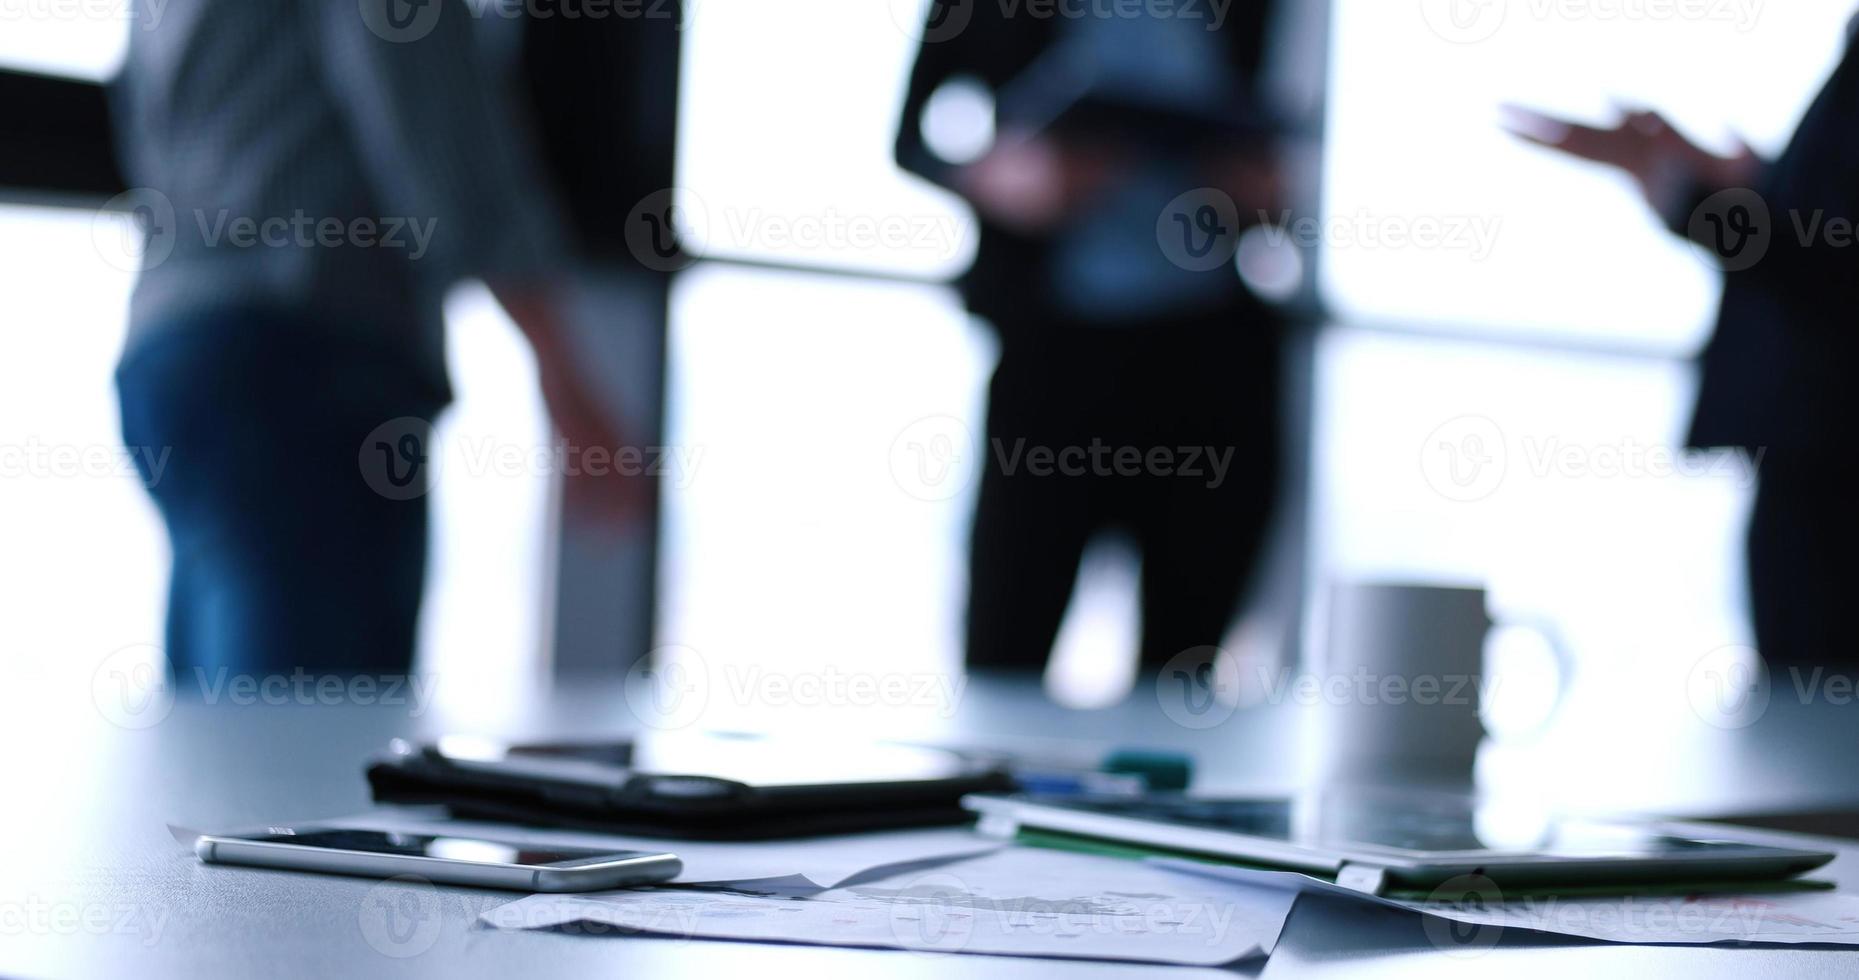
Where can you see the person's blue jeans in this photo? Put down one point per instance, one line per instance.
(291, 552)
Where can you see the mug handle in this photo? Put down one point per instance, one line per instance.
(1558, 649)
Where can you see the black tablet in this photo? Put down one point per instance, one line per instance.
(1410, 840)
(701, 785)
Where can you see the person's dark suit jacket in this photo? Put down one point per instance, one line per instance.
(1005, 285)
(604, 97)
(1781, 371)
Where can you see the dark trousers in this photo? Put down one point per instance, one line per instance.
(1068, 405)
(295, 547)
(1804, 560)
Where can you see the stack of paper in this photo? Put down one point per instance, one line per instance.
(1015, 901)
(1701, 919)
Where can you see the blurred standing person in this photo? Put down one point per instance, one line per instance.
(313, 176)
(1778, 373)
(1113, 340)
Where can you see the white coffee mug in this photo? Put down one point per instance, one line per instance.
(1402, 672)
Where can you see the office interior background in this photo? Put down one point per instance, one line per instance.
(1559, 311)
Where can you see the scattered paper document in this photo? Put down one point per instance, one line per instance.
(1781, 917)
(1015, 902)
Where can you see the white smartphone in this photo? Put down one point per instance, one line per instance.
(450, 860)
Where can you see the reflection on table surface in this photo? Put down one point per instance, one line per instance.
(93, 797)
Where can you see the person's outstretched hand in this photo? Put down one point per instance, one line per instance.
(1667, 166)
(599, 482)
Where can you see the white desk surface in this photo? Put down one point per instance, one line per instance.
(94, 885)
